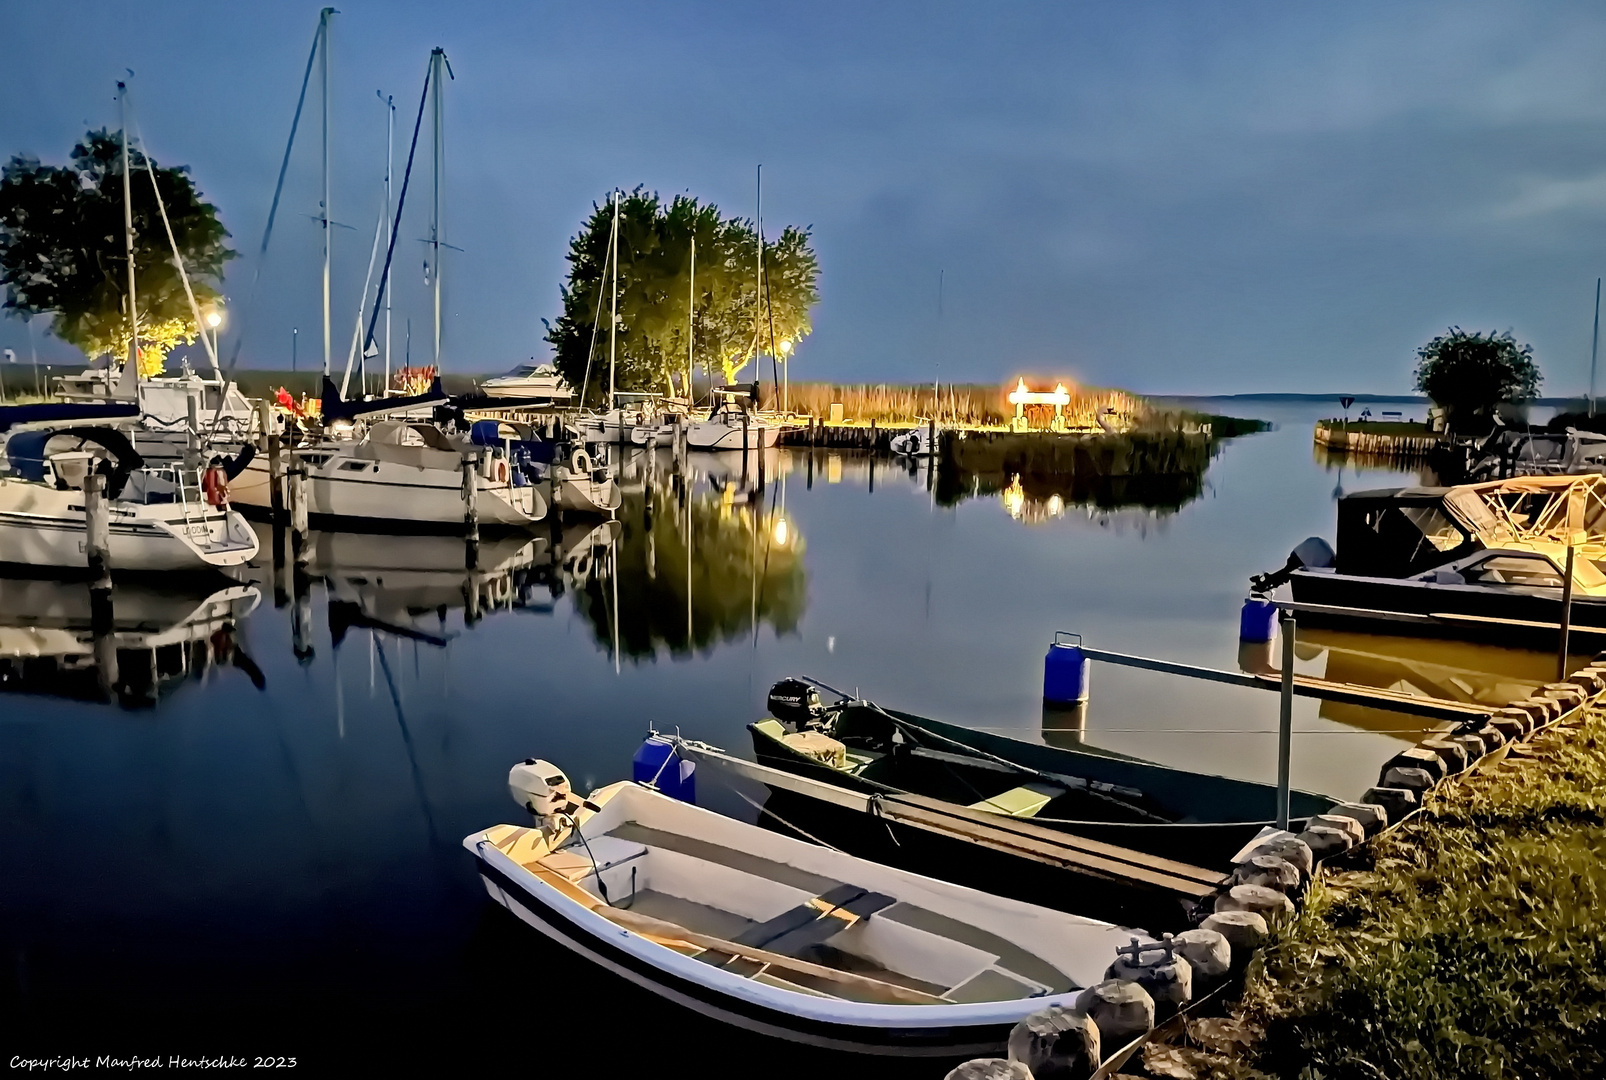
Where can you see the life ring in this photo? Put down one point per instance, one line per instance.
(580, 462)
(499, 471)
(215, 485)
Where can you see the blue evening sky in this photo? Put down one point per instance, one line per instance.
(1170, 197)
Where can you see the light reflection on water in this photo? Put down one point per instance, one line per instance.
(280, 783)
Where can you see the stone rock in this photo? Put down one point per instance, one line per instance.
(1413, 779)
(1566, 693)
(991, 1069)
(1287, 847)
(1417, 757)
(1543, 709)
(1209, 954)
(1357, 833)
(1511, 728)
(1373, 817)
(1452, 754)
(1524, 717)
(1326, 841)
(1272, 871)
(1056, 1044)
(1159, 970)
(1489, 735)
(1591, 679)
(1472, 744)
(1122, 1010)
(1267, 903)
(1245, 931)
(1397, 801)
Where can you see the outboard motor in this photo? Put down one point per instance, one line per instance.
(1311, 552)
(542, 789)
(796, 704)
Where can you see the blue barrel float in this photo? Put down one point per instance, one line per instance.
(1257, 621)
(1065, 670)
(656, 766)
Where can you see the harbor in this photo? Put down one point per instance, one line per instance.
(596, 538)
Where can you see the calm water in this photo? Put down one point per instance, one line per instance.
(265, 823)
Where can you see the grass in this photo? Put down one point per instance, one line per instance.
(973, 405)
(1472, 943)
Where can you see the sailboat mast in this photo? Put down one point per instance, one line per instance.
(1595, 338)
(323, 33)
(437, 60)
(691, 315)
(613, 304)
(758, 300)
(128, 233)
(390, 226)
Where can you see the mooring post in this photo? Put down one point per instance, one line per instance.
(97, 532)
(274, 447)
(471, 515)
(760, 452)
(1285, 719)
(296, 485)
(1566, 617)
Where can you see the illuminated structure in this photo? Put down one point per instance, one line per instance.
(1020, 397)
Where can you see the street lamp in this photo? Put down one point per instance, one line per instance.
(214, 319)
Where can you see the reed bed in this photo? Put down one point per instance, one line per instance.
(969, 404)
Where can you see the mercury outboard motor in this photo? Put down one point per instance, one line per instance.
(1312, 552)
(543, 789)
(796, 703)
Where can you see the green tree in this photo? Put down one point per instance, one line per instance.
(1470, 376)
(731, 319)
(62, 251)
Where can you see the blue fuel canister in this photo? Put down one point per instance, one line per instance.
(1258, 620)
(656, 765)
(1065, 670)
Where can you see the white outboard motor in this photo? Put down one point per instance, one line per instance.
(543, 789)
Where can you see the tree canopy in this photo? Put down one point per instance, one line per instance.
(1471, 375)
(62, 251)
(730, 326)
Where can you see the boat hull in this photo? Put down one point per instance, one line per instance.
(541, 912)
(355, 493)
(1465, 612)
(720, 436)
(45, 527)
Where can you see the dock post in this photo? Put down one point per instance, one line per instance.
(810, 483)
(1285, 719)
(274, 447)
(98, 553)
(471, 516)
(296, 485)
(1566, 617)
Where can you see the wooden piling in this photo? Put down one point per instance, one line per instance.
(296, 491)
(97, 531)
(471, 514)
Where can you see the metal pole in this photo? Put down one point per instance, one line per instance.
(128, 234)
(1285, 719)
(323, 30)
(1566, 617)
(438, 60)
(613, 308)
(1594, 342)
(691, 315)
(390, 226)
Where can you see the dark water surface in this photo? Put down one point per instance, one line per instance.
(254, 847)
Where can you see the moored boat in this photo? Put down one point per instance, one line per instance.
(776, 935)
(1144, 807)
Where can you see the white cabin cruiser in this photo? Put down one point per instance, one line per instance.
(162, 519)
(532, 380)
(775, 935)
(404, 473)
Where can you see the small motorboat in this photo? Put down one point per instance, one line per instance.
(1475, 561)
(161, 519)
(1170, 813)
(917, 442)
(776, 935)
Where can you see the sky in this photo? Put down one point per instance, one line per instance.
(1166, 197)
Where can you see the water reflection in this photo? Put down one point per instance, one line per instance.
(54, 642)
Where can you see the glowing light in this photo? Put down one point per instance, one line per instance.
(786, 348)
(1022, 396)
(780, 532)
(214, 319)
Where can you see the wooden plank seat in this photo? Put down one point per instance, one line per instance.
(815, 921)
(1021, 802)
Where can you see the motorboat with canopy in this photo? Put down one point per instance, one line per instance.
(1479, 561)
